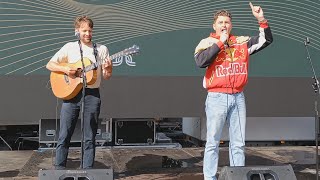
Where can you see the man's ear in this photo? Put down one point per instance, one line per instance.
(214, 26)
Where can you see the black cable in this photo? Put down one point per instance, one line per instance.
(48, 86)
(236, 104)
(55, 133)
(226, 86)
(237, 107)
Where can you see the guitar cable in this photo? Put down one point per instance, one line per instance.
(55, 134)
(48, 86)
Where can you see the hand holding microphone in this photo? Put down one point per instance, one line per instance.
(224, 36)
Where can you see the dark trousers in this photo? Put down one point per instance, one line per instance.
(70, 111)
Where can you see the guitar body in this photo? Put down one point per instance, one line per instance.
(66, 87)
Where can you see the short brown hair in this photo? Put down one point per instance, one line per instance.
(83, 19)
(221, 13)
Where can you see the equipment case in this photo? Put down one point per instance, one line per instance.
(134, 131)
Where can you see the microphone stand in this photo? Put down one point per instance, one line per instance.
(84, 85)
(315, 86)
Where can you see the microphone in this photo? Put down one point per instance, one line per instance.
(77, 34)
(307, 41)
(226, 42)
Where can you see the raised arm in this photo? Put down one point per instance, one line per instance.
(257, 43)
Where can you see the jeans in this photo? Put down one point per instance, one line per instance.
(68, 118)
(224, 108)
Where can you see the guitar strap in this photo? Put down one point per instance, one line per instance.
(95, 52)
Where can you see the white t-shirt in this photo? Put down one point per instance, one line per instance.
(70, 53)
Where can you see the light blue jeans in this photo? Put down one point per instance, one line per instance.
(224, 108)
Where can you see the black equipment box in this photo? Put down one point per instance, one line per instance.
(134, 131)
(49, 131)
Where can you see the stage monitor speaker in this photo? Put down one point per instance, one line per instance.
(81, 174)
(258, 173)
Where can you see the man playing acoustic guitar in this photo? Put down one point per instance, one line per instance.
(67, 61)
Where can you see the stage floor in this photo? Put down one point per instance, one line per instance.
(156, 163)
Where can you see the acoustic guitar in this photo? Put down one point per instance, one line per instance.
(66, 87)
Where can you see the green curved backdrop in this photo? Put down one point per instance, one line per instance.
(167, 32)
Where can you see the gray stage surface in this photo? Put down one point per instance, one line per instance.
(152, 163)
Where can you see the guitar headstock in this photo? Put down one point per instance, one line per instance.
(131, 50)
(126, 52)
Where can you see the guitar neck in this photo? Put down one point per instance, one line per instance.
(99, 63)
